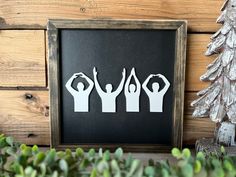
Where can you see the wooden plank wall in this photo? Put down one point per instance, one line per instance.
(23, 65)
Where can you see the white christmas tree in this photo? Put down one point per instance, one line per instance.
(218, 101)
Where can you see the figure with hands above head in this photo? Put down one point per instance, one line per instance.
(108, 97)
(132, 93)
(155, 96)
(81, 95)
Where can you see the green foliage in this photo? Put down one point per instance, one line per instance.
(25, 161)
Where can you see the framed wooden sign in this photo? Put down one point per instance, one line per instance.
(117, 83)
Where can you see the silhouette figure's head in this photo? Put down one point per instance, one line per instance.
(108, 88)
(132, 88)
(155, 87)
(80, 86)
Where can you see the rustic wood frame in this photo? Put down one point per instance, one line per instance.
(179, 78)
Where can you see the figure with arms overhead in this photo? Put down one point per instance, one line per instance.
(156, 96)
(108, 97)
(132, 93)
(81, 95)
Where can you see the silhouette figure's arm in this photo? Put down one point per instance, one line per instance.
(120, 87)
(127, 84)
(69, 84)
(90, 82)
(98, 88)
(167, 84)
(138, 85)
(145, 84)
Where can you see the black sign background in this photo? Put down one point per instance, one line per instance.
(149, 52)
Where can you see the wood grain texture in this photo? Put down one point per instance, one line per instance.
(53, 59)
(22, 58)
(189, 97)
(197, 128)
(201, 14)
(24, 115)
(23, 64)
(197, 61)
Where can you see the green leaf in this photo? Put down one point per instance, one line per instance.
(10, 141)
(200, 156)
(216, 163)
(106, 173)
(50, 157)
(102, 166)
(33, 174)
(100, 152)
(63, 166)
(115, 166)
(227, 165)
(118, 153)
(181, 163)
(149, 171)
(218, 172)
(202, 173)
(11, 151)
(197, 166)
(79, 152)
(22, 146)
(28, 170)
(27, 151)
(61, 154)
(139, 172)
(222, 150)
(17, 168)
(84, 164)
(43, 168)
(55, 174)
(91, 153)
(93, 173)
(187, 170)
(186, 153)
(22, 160)
(68, 152)
(128, 161)
(164, 172)
(176, 153)
(134, 166)
(35, 149)
(106, 155)
(39, 158)
(3, 142)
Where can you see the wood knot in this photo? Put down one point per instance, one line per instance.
(82, 9)
(31, 135)
(35, 104)
(46, 111)
(2, 21)
(28, 96)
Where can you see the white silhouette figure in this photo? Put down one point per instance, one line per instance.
(156, 96)
(108, 98)
(132, 93)
(81, 96)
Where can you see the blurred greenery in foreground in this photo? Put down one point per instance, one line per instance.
(25, 161)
